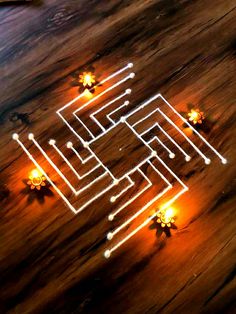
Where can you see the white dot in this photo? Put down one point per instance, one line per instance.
(128, 91)
(30, 136)
(107, 254)
(224, 161)
(126, 103)
(154, 153)
(86, 144)
(172, 155)
(130, 65)
(52, 142)
(112, 199)
(115, 182)
(132, 75)
(109, 235)
(15, 136)
(69, 144)
(122, 119)
(110, 217)
(207, 161)
(187, 158)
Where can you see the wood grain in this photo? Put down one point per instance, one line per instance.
(3, 1)
(52, 261)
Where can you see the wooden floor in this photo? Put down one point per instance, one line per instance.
(51, 261)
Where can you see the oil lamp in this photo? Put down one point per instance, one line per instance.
(87, 79)
(196, 116)
(36, 180)
(165, 217)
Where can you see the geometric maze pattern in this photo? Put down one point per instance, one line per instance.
(118, 146)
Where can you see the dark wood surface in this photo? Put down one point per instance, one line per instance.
(52, 261)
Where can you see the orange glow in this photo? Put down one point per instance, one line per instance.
(87, 93)
(196, 116)
(36, 179)
(166, 217)
(87, 79)
(188, 131)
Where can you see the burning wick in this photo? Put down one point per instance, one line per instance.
(165, 217)
(196, 116)
(36, 180)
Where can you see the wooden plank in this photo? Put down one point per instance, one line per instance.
(52, 261)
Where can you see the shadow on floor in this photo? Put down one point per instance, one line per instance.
(36, 195)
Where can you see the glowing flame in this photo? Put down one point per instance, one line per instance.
(36, 179)
(87, 79)
(196, 116)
